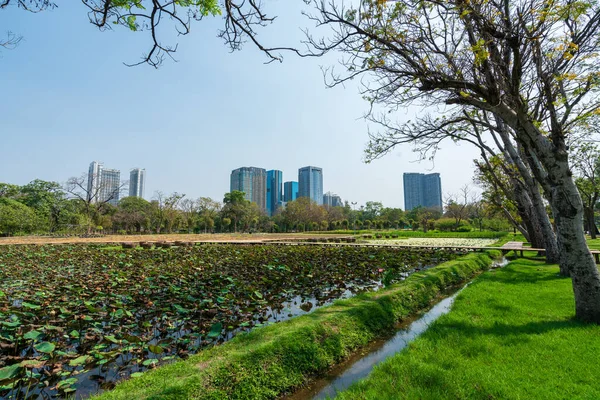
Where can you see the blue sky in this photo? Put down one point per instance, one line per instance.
(67, 99)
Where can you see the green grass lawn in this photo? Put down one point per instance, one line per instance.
(593, 244)
(510, 335)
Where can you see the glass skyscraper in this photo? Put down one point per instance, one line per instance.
(103, 184)
(253, 182)
(332, 200)
(274, 195)
(310, 183)
(290, 191)
(137, 182)
(422, 190)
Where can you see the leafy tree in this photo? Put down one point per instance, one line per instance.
(586, 162)
(89, 195)
(208, 210)
(242, 19)
(372, 210)
(8, 190)
(48, 199)
(189, 209)
(133, 214)
(527, 69)
(235, 207)
(15, 217)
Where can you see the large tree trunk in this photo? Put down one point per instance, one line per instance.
(538, 215)
(590, 222)
(579, 260)
(552, 170)
(549, 239)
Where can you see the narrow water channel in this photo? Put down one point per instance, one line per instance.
(355, 369)
(360, 365)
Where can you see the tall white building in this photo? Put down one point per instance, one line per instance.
(137, 182)
(94, 177)
(103, 184)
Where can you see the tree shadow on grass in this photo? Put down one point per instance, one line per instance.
(503, 330)
(515, 276)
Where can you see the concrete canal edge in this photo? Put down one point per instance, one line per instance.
(271, 361)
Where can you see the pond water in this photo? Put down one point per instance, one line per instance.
(118, 341)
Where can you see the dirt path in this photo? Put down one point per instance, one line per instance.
(155, 238)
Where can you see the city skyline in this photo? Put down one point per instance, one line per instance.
(254, 119)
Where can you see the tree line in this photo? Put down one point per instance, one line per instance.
(42, 207)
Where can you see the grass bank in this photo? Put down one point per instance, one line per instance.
(510, 335)
(273, 360)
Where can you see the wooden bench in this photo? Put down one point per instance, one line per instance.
(518, 246)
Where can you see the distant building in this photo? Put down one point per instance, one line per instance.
(137, 182)
(290, 191)
(111, 185)
(253, 182)
(310, 183)
(93, 185)
(274, 191)
(332, 200)
(104, 184)
(422, 190)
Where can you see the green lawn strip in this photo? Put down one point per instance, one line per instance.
(275, 359)
(510, 335)
(593, 244)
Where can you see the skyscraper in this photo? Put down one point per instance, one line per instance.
(274, 195)
(253, 182)
(93, 185)
(422, 190)
(310, 183)
(332, 200)
(103, 184)
(137, 182)
(110, 185)
(290, 191)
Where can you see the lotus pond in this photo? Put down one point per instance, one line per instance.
(433, 242)
(75, 319)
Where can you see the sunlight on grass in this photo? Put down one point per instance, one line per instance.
(510, 335)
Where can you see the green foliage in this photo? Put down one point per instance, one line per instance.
(15, 217)
(90, 306)
(270, 361)
(518, 318)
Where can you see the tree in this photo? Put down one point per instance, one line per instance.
(93, 194)
(133, 214)
(242, 19)
(235, 207)
(526, 68)
(166, 215)
(48, 199)
(586, 162)
(9, 190)
(372, 210)
(457, 205)
(189, 209)
(209, 212)
(15, 217)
